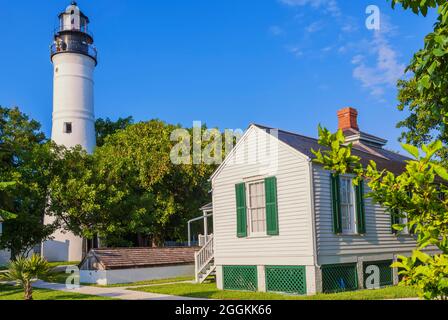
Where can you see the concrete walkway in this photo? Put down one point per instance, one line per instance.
(116, 293)
(151, 285)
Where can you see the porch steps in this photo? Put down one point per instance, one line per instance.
(205, 261)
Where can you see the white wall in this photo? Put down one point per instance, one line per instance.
(106, 277)
(4, 257)
(294, 245)
(73, 100)
(65, 247)
(379, 242)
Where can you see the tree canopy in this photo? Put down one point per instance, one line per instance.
(27, 163)
(129, 186)
(106, 127)
(424, 93)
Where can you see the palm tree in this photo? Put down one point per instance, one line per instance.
(25, 271)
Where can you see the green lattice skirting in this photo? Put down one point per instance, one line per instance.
(339, 277)
(287, 279)
(386, 274)
(240, 278)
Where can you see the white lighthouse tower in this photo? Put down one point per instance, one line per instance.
(74, 59)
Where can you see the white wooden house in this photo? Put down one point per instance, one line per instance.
(283, 224)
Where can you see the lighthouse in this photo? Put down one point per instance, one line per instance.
(74, 58)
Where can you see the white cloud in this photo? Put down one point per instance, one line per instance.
(377, 65)
(358, 59)
(329, 6)
(386, 69)
(327, 49)
(315, 26)
(295, 50)
(349, 25)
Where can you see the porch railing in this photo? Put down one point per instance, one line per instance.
(204, 239)
(204, 256)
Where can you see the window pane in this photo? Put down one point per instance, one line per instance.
(347, 206)
(257, 208)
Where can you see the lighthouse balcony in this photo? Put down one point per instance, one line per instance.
(74, 46)
(70, 29)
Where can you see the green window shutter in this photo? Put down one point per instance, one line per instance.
(394, 219)
(241, 210)
(336, 202)
(270, 185)
(360, 208)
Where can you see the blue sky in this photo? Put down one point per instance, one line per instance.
(289, 64)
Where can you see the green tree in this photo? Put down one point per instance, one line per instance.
(129, 186)
(27, 160)
(423, 95)
(162, 196)
(24, 271)
(106, 127)
(76, 193)
(4, 215)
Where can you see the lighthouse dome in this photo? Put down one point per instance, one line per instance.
(73, 19)
(72, 6)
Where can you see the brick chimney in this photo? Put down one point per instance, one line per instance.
(348, 119)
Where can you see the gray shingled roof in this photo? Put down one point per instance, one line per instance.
(127, 258)
(384, 159)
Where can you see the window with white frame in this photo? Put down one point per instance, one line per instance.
(348, 207)
(256, 208)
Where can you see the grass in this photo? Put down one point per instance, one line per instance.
(209, 291)
(8, 292)
(63, 263)
(61, 277)
(150, 282)
(58, 277)
(52, 264)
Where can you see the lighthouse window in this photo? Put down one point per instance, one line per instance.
(67, 127)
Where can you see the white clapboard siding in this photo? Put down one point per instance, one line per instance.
(294, 245)
(378, 239)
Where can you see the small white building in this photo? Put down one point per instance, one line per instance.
(283, 224)
(127, 265)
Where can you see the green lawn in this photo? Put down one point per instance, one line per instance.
(63, 263)
(150, 282)
(8, 292)
(61, 277)
(208, 290)
(58, 277)
(52, 264)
